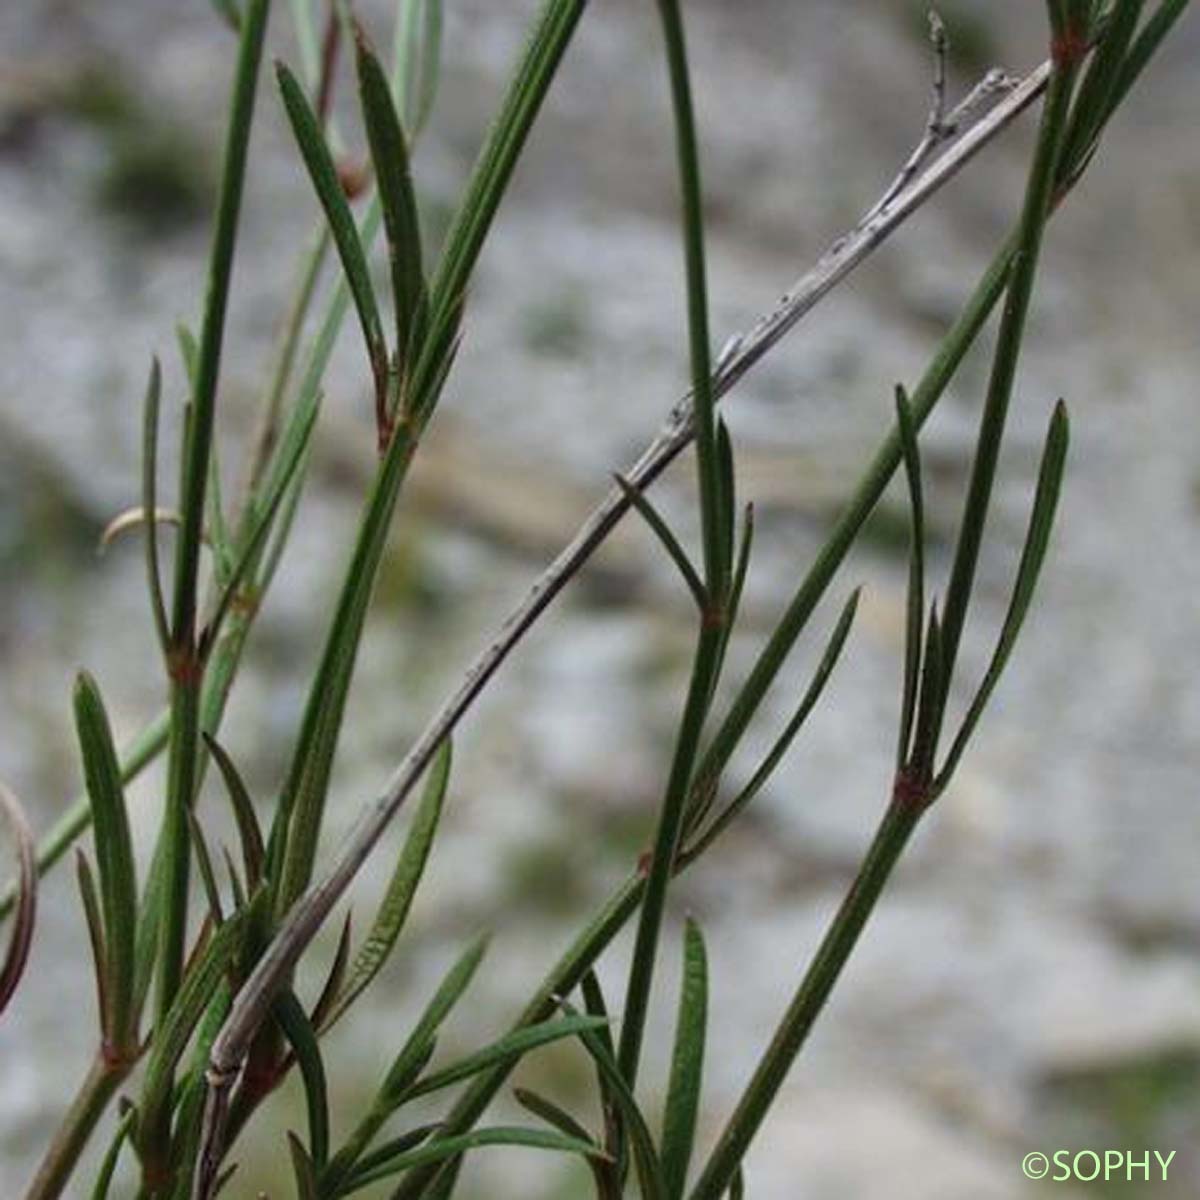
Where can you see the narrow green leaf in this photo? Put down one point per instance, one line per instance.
(114, 858)
(148, 927)
(388, 1150)
(217, 529)
(418, 59)
(594, 1003)
(108, 1165)
(228, 10)
(171, 1038)
(389, 153)
(1144, 48)
(419, 1046)
(158, 608)
(737, 1185)
(596, 1006)
(193, 1089)
(742, 565)
(208, 877)
(289, 462)
(645, 1158)
(1091, 104)
(349, 1160)
(670, 542)
(95, 928)
(249, 832)
(189, 351)
(307, 1187)
(489, 180)
(235, 884)
(821, 677)
(603, 1172)
(294, 1022)
(727, 505)
(1033, 555)
(333, 981)
(397, 901)
(931, 700)
(687, 1065)
(21, 938)
(502, 1135)
(906, 428)
(507, 1050)
(550, 1112)
(328, 187)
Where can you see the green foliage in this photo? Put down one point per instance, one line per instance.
(232, 998)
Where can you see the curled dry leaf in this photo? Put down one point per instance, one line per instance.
(26, 909)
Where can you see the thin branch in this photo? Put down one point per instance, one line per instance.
(940, 126)
(739, 356)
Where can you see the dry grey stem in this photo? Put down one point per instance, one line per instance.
(251, 1004)
(941, 126)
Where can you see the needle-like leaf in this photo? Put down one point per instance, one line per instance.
(418, 59)
(687, 1065)
(931, 701)
(293, 453)
(21, 938)
(114, 858)
(507, 1050)
(916, 573)
(645, 1157)
(333, 981)
(489, 181)
(737, 1185)
(646, 510)
(249, 832)
(324, 176)
(383, 1153)
(208, 876)
(603, 1172)
(1099, 81)
(389, 153)
(108, 1165)
(298, 1030)
(551, 1113)
(444, 1148)
(1033, 555)
(95, 928)
(158, 608)
(397, 901)
(822, 675)
(305, 1172)
(230, 12)
(199, 985)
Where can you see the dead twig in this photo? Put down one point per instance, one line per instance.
(940, 126)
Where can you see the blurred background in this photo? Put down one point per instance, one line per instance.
(1031, 981)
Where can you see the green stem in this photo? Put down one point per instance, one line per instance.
(716, 568)
(710, 640)
(184, 663)
(890, 839)
(665, 853)
(98, 1088)
(1034, 216)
